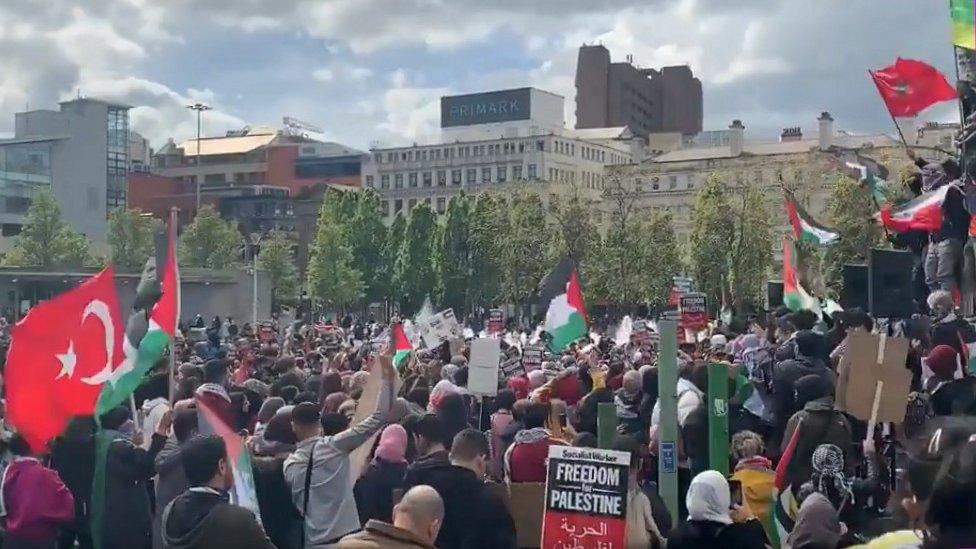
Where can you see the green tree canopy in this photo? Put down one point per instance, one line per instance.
(524, 248)
(452, 255)
(46, 240)
(849, 208)
(367, 236)
(210, 242)
(413, 272)
(130, 238)
(277, 259)
(333, 277)
(489, 223)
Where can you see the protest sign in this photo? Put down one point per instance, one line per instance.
(510, 367)
(694, 311)
(586, 498)
(440, 327)
(640, 331)
(483, 366)
(496, 321)
(873, 383)
(532, 357)
(359, 457)
(525, 501)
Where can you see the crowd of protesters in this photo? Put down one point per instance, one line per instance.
(434, 449)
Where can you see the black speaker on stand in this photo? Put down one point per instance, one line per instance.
(854, 295)
(890, 284)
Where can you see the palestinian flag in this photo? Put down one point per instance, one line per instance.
(805, 229)
(963, 23)
(868, 172)
(401, 345)
(785, 506)
(794, 296)
(566, 317)
(922, 213)
(243, 492)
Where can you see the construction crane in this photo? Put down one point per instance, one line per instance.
(293, 126)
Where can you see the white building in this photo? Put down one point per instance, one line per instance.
(496, 141)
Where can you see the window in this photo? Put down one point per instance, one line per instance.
(369, 181)
(412, 203)
(441, 202)
(427, 179)
(214, 179)
(540, 145)
(472, 175)
(441, 178)
(391, 157)
(456, 177)
(672, 182)
(398, 181)
(502, 174)
(532, 172)
(385, 181)
(572, 149)
(516, 172)
(412, 180)
(403, 156)
(378, 157)
(397, 206)
(486, 175)
(521, 147)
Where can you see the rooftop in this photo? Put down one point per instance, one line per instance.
(615, 132)
(760, 148)
(237, 144)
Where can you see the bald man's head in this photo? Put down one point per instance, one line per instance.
(421, 511)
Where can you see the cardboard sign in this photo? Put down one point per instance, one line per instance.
(496, 321)
(440, 327)
(586, 498)
(694, 311)
(531, 358)
(871, 359)
(483, 367)
(641, 331)
(525, 502)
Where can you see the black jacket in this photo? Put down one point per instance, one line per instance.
(374, 490)
(955, 218)
(473, 516)
(280, 518)
(205, 520)
(953, 333)
(694, 534)
(785, 374)
(128, 514)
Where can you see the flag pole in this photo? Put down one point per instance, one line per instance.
(172, 344)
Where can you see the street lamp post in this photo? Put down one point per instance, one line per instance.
(199, 108)
(255, 240)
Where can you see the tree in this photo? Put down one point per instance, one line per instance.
(413, 272)
(333, 279)
(453, 254)
(130, 237)
(46, 240)
(489, 221)
(367, 236)
(849, 207)
(751, 253)
(210, 242)
(277, 259)
(574, 226)
(524, 247)
(395, 235)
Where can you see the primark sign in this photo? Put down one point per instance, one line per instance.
(485, 108)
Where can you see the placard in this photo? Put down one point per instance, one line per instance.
(483, 366)
(510, 367)
(440, 327)
(694, 311)
(496, 321)
(871, 359)
(531, 358)
(586, 498)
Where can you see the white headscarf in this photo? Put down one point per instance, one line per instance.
(709, 498)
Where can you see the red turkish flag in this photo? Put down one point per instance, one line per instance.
(54, 353)
(910, 86)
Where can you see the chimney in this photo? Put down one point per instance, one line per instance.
(826, 135)
(791, 134)
(736, 137)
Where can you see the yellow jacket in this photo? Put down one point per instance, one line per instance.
(757, 490)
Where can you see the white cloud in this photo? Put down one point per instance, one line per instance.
(343, 72)
(412, 113)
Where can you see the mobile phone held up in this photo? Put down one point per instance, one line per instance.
(735, 490)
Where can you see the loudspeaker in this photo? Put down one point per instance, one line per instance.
(855, 291)
(774, 294)
(890, 284)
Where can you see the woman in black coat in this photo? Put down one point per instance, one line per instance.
(713, 521)
(375, 489)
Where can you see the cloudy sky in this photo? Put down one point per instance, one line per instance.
(371, 71)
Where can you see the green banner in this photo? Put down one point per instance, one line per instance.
(718, 417)
(606, 424)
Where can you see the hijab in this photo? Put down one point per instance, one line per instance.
(333, 401)
(269, 407)
(709, 498)
(817, 524)
(393, 444)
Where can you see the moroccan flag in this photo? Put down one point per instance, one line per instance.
(401, 345)
(794, 296)
(57, 353)
(566, 317)
(243, 492)
(922, 213)
(963, 23)
(909, 87)
(804, 226)
(142, 353)
(785, 506)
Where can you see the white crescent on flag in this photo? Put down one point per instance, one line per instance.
(99, 309)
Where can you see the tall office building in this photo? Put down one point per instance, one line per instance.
(645, 100)
(77, 153)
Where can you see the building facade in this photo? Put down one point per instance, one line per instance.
(668, 183)
(78, 153)
(645, 100)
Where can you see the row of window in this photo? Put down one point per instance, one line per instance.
(440, 207)
(567, 148)
(470, 176)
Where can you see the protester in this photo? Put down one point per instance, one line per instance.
(754, 472)
(713, 521)
(817, 525)
(525, 459)
(35, 503)
(642, 531)
(170, 476)
(374, 490)
(417, 520)
(202, 517)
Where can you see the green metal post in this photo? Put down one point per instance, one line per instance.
(667, 384)
(718, 417)
(606, 424)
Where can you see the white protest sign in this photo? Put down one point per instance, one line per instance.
(483, 366)
(441, 327)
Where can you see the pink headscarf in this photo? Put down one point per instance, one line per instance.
(536, 379)
(393, 444)
(520, 386)
(442, 389)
